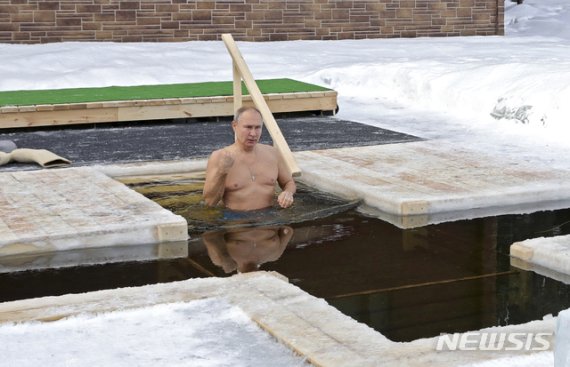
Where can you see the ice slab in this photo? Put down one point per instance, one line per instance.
(551, 253)
(419, 183)
(75, 208)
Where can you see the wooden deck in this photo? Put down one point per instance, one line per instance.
(156, 109)
(33, 108)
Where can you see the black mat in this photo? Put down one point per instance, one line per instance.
(183, 139)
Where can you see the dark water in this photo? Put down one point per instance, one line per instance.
(406, 284)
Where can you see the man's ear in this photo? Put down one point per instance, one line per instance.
(234, 126)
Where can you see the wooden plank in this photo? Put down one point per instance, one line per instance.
(302, 104)
(278, 138)
(45, 107)
(271, 96)
(51, 118)
(9, 109)
(166, 101)
(175, 111)
(236, 87)
(94, 105)
(64, 107)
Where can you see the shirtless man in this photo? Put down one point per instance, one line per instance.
(243, 175)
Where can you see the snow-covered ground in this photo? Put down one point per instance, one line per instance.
(200, 333)
(505, 95)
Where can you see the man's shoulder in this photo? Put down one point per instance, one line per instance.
(265, 148)
(216, 153)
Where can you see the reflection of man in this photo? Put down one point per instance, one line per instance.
(246, 249)
(243, 175)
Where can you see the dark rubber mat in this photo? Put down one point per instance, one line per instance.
(184, 139)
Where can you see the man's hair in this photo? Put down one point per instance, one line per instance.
(243, 109)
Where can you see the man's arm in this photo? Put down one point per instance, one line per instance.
(218, 251)
(287, 184)
(219, 164)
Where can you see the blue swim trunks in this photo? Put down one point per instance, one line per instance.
(250, 216)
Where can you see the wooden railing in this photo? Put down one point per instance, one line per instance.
(242, 72)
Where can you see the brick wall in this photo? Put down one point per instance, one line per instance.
(41, 21)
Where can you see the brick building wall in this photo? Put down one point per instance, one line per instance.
(41, 21)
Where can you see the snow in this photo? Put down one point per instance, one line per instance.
(534, 360)
(506, 96)
(562, 347)
(205, 336)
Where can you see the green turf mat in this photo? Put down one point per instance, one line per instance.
(141, 92)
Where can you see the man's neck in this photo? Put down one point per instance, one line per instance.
(244, 148)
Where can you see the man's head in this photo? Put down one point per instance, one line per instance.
(247, 125)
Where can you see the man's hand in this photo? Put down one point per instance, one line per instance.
(285, 199)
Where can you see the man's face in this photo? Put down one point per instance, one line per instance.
(248, 128)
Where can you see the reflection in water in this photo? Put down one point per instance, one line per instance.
(93, 256)
(246, 249)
